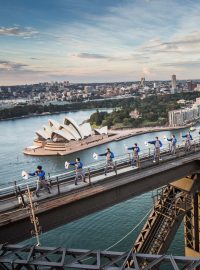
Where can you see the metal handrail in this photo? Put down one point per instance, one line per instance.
(95, 167)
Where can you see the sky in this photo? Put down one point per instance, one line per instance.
(98, 40)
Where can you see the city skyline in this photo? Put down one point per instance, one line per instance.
(98, 41)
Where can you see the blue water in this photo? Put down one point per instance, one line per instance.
(97, 231)
(103, 229)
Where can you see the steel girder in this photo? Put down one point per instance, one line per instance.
(38, 257)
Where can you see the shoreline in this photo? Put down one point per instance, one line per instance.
(146, 130)
(48, 113)
(114, 130)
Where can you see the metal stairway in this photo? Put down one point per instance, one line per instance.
(164, 220)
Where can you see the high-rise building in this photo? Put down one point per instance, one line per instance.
(142, 81)
(173, 84)
(189, 85)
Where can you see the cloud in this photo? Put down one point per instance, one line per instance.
(11, 66)
(26, 32)
(91, 56)
(146, 71)
(96, 56)
(184, 48)
(184, 64)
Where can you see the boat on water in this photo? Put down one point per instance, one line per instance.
(192, 129)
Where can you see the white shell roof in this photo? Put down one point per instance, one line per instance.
(86, 129)
(48, 130)
(70, 130)
(54, 124)
(42, 134)
(70, 122)
(75, 135)
(63, 134)
(103, 130)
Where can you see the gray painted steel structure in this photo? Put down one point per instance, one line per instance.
(38, 257)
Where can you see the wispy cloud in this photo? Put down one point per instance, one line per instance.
(91, 56)
(7, 65)
(96, 56)
(10, 66)
(184, 64)
(26, 32)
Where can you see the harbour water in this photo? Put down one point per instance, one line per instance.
(100, 230)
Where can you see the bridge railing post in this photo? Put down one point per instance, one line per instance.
(138, 162)
(178, 151)
(49, 178)
(16, 192)
(58, 186)
(129, 158)
(197, 144)
(149, 152)
(115, 167)
(89, 176)
(21, 200)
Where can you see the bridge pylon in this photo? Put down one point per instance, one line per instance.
(174, 202)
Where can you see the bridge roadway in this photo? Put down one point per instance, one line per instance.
(76, 202)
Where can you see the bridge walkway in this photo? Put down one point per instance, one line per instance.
(9, 202)
(84, 199)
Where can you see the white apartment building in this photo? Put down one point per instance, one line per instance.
(184, 116)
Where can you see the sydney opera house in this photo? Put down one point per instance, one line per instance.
(68, 137)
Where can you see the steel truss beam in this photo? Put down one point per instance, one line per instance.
(38, 257)
(164, 220)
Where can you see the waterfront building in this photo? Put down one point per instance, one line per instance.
(184, 116)
(59, 138)
(175, 118)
